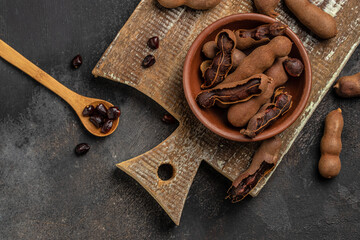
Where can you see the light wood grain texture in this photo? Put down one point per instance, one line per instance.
(192, 143)
(76, 101)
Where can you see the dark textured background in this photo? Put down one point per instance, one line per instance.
(46, 192)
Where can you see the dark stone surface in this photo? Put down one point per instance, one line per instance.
(46, 192)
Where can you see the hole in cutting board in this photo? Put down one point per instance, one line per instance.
(166, 172)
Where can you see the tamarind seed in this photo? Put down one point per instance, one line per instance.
(77, 61)
(168, 118)
(107, 126)
(113, 113)
(82, 149)
(153, 42)
(101, 109)
(88, 111)
(97, 121)
(148, 61)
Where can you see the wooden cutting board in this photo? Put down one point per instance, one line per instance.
(192, 143)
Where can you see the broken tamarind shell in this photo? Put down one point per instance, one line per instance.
(234, 92)
(247, 38)
(222, 63)
(263, 162)
(268, 114)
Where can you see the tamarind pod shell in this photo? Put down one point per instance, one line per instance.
(313, 17)
(263, 162)
(222, 63)
(234, 92)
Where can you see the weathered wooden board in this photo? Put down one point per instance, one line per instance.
(192, 143)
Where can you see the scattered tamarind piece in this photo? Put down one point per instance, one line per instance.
(329, 164)
(234, 92)
(195, 4)
(294, 67)
(247, 38)
(269, 113)
(267, 7)
(263, 162)
(239, 114)
(348, 86)
(261, 59)
(313, 17)
(222, 63)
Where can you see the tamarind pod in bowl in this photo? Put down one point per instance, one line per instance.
(234, 92)
(247, 38)
(313, 17)
(222, 63)
(268, 114)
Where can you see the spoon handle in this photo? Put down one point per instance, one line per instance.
(19, 61)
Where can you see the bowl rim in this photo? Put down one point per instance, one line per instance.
(192, 102)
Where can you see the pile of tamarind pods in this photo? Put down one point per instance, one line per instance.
(248, 85)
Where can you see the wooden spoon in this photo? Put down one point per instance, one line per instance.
(76, 101)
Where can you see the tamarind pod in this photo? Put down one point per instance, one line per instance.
(239, 114)
(330, 164)
(222, 63)
(267, 7)
(263, 162)
(234, 92)
(195, 4)
(261, 58)
(210, 49)
(268, 114)
(247, 38)
(313, 17)
(348, 86)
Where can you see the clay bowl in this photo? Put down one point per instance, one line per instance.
(215, 118)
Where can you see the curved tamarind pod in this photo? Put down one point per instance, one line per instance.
(267, 7)
(240, 114)
(348, 86)
(330, 164)
(195, 4)
(263, 162)
(313, 17)
(261, 59)
(268, 114)
(222, 63)
(234, 92)
(247, 38)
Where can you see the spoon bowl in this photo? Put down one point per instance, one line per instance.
(76, 101)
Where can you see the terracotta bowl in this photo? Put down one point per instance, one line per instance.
(215, 118)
